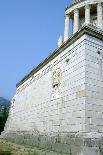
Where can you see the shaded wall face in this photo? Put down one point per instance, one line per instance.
(94, 84)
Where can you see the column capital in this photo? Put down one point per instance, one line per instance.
(87, 6)
(67, 16)
(99, 4)
(76, 10)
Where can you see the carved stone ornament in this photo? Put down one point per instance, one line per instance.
(56, 77)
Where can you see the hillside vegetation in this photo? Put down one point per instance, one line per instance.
(4, 111)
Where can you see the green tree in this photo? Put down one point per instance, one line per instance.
(3, 118)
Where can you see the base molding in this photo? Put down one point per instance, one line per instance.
(65, 143)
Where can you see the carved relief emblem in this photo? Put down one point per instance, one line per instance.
(56, 77)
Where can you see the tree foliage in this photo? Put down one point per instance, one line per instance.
(3, 118)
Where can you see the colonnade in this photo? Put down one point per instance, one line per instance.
(87, 19)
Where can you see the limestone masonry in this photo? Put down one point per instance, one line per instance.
(59, 104)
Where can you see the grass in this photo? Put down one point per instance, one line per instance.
(14, 149)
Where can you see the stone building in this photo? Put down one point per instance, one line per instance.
(59, 104)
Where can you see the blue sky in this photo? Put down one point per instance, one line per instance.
(29, 30)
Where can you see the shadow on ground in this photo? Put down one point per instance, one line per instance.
(5, 153)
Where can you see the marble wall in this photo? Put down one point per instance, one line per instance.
(53, 100)
(60, 108)
(94, 84)
(64, 96)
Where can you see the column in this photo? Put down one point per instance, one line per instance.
(76, 20)
(66, 30)
(99, 16)
(87, 14)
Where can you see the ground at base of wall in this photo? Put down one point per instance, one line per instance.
(8, 148)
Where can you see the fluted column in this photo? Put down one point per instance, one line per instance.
(99, 16)
(87, 14)
(66, 30)
(76, 20)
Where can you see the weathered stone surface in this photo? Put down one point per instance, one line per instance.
(59, 105)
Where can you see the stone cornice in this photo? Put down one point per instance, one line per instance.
(87, 29)
(78, 4)
(74, 3)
